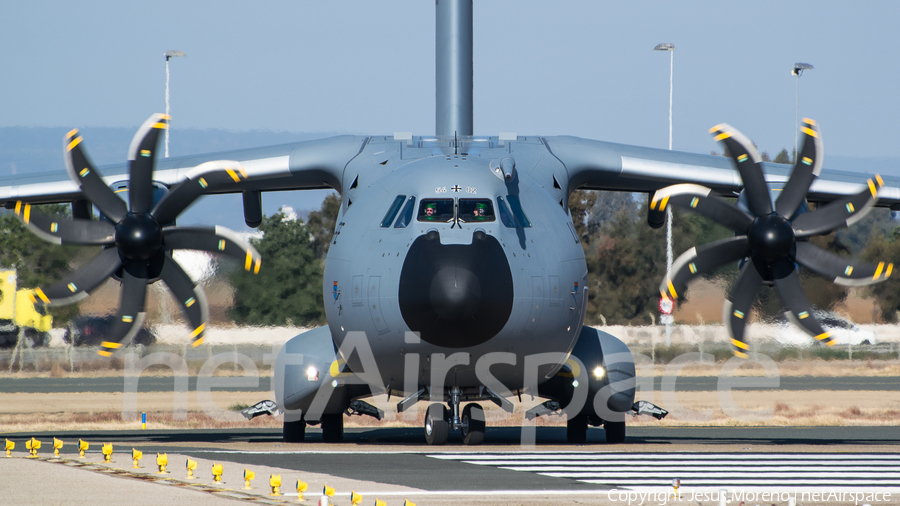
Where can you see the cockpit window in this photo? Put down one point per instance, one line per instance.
(406, 214)
(392, 211)
(476, 210)
(506, 216)
(518, 212)
(518, 218)
(436, 210)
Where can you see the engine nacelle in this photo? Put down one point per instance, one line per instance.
(608, 372)
(309, 378)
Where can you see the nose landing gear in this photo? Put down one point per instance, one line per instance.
(439, 420)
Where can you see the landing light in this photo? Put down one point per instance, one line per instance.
(575, 383)
(312, 374)
(599, 372)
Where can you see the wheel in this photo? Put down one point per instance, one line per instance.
(437, 430)
(615, 432)
(576, 429)
(333, 428)
(294, 432)
(472, 424)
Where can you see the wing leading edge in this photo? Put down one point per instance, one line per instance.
(300, 166)
(598, 165)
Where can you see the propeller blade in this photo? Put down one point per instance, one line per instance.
(78, 284)
(737, 306)
(702, 201)
(747, 161)
(843, 212)
(131, 308)
(697, 261)
(798, 308)
(806, 169)
(840, 270)
(64, 230)
(141, 156)
(88, 179)
(201, 179)
(190, 297)
(215, 240)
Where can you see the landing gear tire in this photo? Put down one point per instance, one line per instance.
(437, 429)
(333, 428)
(472, 424)
(576, 429)
(615, 432)
(294, 432)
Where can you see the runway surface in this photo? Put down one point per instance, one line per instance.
(411, 438)
(397, 456)
(394, 463)
(682, 384)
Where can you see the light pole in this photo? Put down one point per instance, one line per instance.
(169, 54)
(797, 71)
(668, 319)
(671, 49)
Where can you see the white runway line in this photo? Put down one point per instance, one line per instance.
(640, 470)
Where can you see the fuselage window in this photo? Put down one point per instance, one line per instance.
(476, 210)
(436, 210)
(392, 212)
(406, 214)
(518, 212)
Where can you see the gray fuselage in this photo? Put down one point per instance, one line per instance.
(495, 282)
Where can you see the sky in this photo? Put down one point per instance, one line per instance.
(583, 68)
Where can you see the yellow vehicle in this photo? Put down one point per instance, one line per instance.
(17, 312)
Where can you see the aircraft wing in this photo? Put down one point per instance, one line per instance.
(298, 166)
(598, 165)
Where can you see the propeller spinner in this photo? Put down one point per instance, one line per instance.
(774, 241)
(141, 237)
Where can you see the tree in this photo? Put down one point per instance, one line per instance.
(38, 262)
(782, 157)
(626, 261)
(581, 202)
(321, 224)
(288, 288)
(885, 248)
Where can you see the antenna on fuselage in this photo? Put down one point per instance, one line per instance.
(453, 68)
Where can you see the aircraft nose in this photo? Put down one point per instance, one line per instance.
(456, 295)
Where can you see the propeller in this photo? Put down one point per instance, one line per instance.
(139, 238)
(772, 239)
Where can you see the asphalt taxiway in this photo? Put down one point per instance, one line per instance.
(148, 383)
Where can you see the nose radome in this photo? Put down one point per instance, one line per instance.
(455, 293)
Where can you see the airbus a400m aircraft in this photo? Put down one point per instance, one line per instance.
(455, 274)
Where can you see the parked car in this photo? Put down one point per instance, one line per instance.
(93, 330)
(844, 331)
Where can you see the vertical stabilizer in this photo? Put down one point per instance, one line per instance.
(453, 67)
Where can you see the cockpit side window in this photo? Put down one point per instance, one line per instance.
(436, 210)
(506, 216)
(476, 210)
(392, 211)
(406, 214)
(515, 218)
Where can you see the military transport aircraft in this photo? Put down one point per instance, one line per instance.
(455, 274)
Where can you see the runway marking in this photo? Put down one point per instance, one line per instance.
(637, 470)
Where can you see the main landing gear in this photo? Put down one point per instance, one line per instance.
(439, 420)
(577, 426)
(332, 429)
